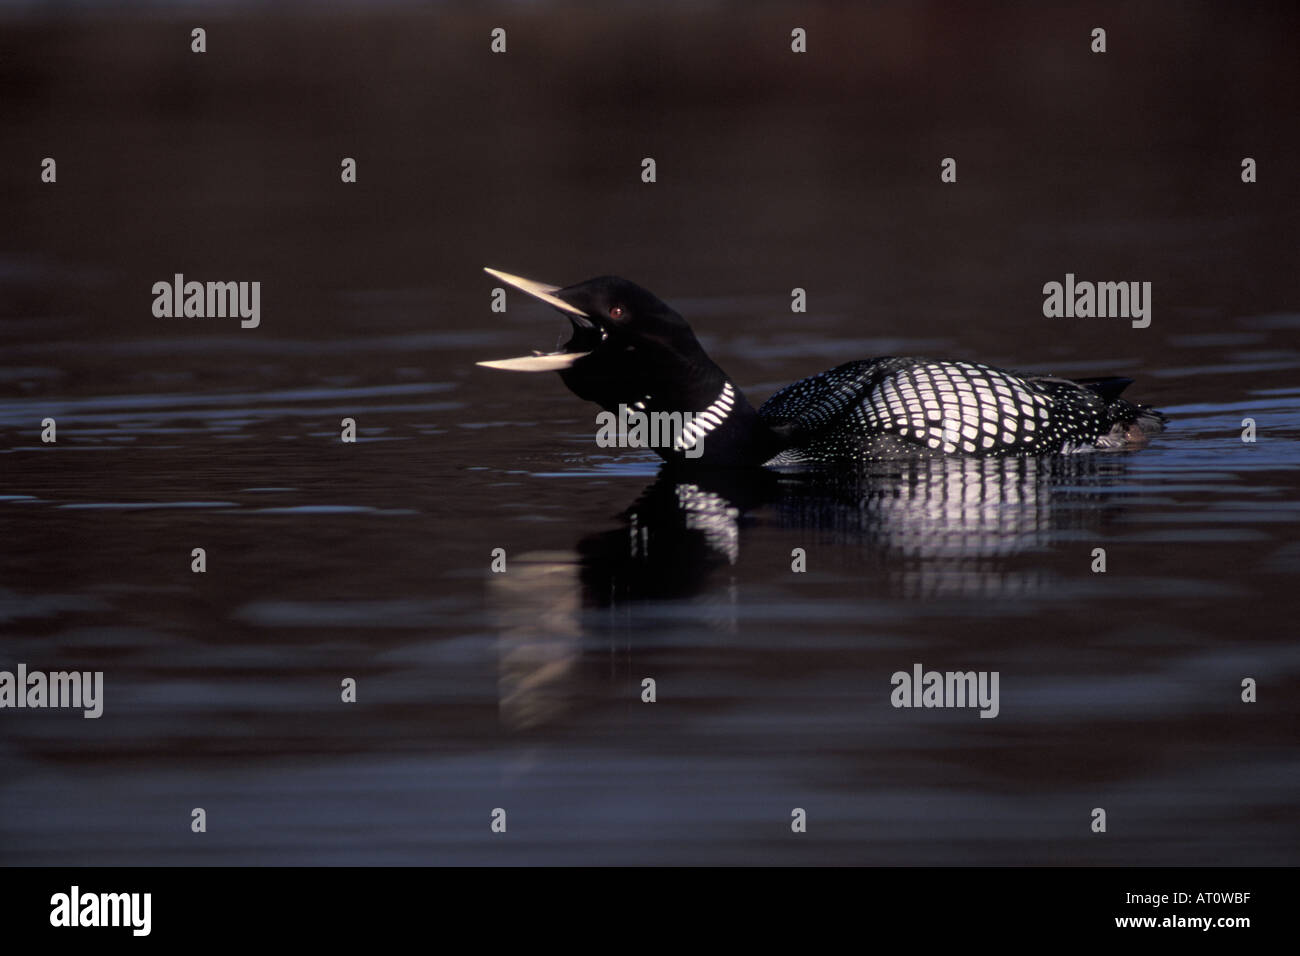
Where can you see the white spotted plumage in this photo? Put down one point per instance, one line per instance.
(884, 408)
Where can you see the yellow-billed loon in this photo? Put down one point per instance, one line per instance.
(631, 351)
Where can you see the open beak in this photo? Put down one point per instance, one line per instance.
(541, 361)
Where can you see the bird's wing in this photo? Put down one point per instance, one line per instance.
(945, 406)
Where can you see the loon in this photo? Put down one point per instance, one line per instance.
(630, 349)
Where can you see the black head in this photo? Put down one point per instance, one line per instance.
(630, 349)
(626, 345)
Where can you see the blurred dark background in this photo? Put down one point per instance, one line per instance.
(775, 170)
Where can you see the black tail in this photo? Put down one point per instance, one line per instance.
(1109, 388)
(1131, 425)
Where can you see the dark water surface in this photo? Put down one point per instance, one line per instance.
(522, 690)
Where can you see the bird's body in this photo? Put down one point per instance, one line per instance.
(892, 407)
(630, 351)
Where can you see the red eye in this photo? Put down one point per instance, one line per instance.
(616, 312)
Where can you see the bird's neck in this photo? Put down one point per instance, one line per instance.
(720, 428)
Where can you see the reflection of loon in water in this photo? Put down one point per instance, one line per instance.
(933, 528)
